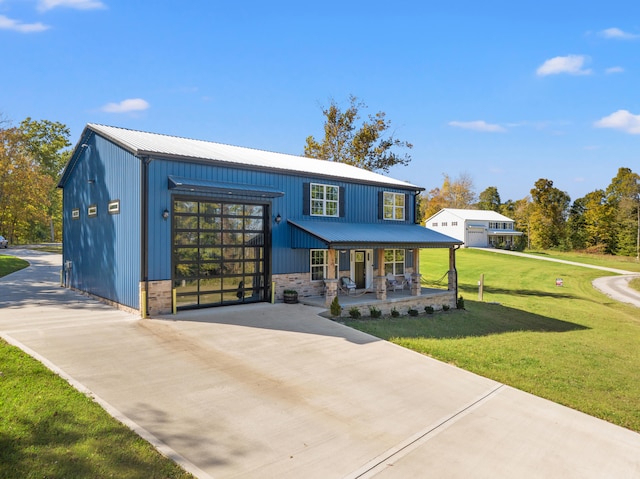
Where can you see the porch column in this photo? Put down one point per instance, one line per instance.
(453, 275)
(380, 282)
(416, 287)
(330, 282)
(331, 291)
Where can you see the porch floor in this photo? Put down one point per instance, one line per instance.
(365, 297)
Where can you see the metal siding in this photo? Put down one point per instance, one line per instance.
(362, 201)
(104, 249)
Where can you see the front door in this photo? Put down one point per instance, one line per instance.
(360, 270)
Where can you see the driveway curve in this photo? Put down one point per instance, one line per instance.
(277, 391)
(616, 287)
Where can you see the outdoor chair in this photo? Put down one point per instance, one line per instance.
(407, 281)
(393, 283)
(346, 285)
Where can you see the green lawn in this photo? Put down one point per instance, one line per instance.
(619, 262)
(50, 430)
(9, 264)
(569, 344)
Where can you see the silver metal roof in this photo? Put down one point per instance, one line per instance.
(473, 215)
(343, 235)
(154, 144)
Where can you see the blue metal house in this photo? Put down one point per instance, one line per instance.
(156, 223)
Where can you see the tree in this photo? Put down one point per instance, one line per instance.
(547, 220)
(457, 193)
(31, 159)
(366, 146)
(623, 194)
(489, 199)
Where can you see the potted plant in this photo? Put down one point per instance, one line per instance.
(290, 296)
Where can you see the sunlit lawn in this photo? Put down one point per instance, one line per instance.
(50, 430)
(569, 344)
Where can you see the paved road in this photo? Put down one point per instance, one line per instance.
(616, 287)
(276, 391)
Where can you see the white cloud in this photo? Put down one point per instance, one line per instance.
(125, 106)
(571, 64)
(617, 33)
(7, 23)
(478, 125)
(621, 120)
(610, 70)
(44, 5)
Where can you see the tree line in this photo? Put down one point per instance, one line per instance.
(32, 157)
(605, 221)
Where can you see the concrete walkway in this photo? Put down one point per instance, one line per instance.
(275, 391)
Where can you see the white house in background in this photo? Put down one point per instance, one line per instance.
(476, 228)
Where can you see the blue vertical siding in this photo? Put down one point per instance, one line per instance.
(361, 207)
(105, 249)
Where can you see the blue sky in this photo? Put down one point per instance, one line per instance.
(506, 92)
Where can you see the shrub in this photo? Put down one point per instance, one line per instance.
(428, 309)
(374, 312)
(445, 307)
(412, 312)
(335, 307)
(354, 312)
(394, 312)
(460, 303)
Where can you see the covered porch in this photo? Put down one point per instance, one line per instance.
(377, 288)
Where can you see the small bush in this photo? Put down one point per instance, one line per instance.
(412, 312)
(374, 312)
(354, 312)
(428, 309)
(335, 307)
(394, 312)
(445, 307)
(460, 303)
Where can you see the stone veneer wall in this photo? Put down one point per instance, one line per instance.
(402, 305)
(159, 297)
(301, 282)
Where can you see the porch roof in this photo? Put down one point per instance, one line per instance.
(338, 235)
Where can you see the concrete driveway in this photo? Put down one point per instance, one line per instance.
(277, 391)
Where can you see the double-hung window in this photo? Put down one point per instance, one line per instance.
(394, 261)
(393, 208)
(320, 264)
(324, 200)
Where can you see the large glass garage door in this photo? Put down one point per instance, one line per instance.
(219, 253)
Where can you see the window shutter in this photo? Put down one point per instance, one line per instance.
(341, 202)
(306, 198)
(380, 205)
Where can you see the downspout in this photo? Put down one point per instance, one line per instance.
(144, 236)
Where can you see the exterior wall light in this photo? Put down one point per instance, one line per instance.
(165, 214)
(278, 219)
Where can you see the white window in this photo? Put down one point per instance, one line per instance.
(324, 200)
(114, 207)
(394, 261)
(393, 206)
(92, 210)
(319, 264)
(75, 213)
